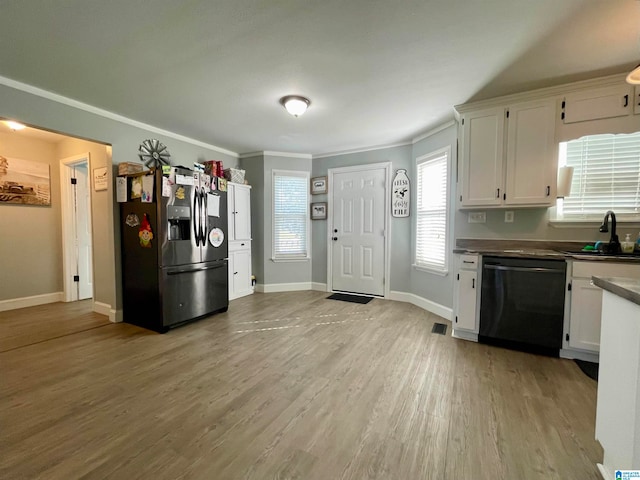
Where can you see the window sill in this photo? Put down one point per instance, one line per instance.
(290, 259)
(433, 271)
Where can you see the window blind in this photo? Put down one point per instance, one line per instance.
(606, 175)
(290, 215)
(431, 234)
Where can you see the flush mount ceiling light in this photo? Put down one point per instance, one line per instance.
(295, 104)
(634, 76)
(15, 126)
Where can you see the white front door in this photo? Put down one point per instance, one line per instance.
(83, 230)
(357, 231)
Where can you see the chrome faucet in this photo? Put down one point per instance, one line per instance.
(614, 243)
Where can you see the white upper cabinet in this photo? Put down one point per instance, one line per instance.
(531, 154)
(598, 103)
(509, 156)
(482, 157)
(239, 207)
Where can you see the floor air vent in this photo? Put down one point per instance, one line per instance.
(439, 328)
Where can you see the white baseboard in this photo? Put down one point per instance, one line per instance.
(105, 309)
(472, 337)
(15, 303)
(283, 287)
(428, 305)
(115, 316)
(320, 287)
(579, 355)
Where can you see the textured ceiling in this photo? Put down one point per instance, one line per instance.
(377, 72)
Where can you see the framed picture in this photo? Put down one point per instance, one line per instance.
(100, 179)
(318, 185)
(319, 211)
(25, 182)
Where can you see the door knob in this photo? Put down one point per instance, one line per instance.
(335, 239)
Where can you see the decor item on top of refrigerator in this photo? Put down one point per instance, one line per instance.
(181, 273)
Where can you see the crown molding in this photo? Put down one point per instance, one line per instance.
(542, 93)
(54, 97)
(250, 154)
(360, 150)
(433, 131)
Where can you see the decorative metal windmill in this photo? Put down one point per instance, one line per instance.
(153, 153)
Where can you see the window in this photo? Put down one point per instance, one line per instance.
(431, 221)
(606, 176)
(290, 215)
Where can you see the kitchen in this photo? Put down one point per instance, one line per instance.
(431, 292)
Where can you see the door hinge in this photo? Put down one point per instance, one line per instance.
(456, 319)
(76, 278)
(569, 286)
(74, 181)
(567, 337)
(458, 277)
(463, 121)
(507, 113)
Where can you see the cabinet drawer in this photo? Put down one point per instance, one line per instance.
(605, 269)
(468, 262)
(240, 245)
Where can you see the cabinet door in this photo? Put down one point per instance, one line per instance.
(465, 317)
(636, 102)
(531, 160)
(239, 273)
(608, 102)
(586, 309)
(231, 208)
(242, 213)
(482, 157)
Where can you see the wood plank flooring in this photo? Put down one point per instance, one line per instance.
(291, 386)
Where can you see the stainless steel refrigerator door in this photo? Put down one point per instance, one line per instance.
(183, 196)
(192, 292)
(215, 245)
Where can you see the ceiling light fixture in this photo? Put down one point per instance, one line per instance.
(295, 104)
(634, 76)
(15, 126)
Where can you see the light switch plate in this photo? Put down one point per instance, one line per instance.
(508, 216)
(477, 217)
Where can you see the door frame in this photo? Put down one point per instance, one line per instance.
(69, 225)
(387, 219)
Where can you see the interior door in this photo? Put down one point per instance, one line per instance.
(83, 231)
(358, 228)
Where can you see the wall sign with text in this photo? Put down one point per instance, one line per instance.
(401, 194)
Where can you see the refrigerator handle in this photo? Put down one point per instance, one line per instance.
(196, 217)
(203, 224)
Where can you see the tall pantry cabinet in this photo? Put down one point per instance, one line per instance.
(239, 214)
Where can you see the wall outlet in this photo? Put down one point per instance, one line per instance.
(508, 217)
(477, 217)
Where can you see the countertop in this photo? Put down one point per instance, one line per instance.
(555, 250)
(627, 288)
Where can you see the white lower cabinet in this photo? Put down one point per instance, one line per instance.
(465, 301)
(585, 302)
(240, 270)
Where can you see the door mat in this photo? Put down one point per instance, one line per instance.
(350, 298)
(439, 328)
(590, 369)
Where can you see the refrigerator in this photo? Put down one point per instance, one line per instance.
(174, 248)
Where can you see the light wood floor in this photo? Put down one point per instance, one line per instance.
(291, 385)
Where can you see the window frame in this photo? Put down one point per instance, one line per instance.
(429, 157)
(559, 219)
(290, 258)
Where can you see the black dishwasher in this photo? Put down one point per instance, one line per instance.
(522, 303)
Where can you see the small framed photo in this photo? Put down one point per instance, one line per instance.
(318, 185)
(319, 211)
(100, 179)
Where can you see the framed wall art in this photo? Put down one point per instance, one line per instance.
(319, 211)
(24, 182)
(318, 185)
(100, 179)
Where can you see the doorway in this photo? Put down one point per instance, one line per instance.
(359, 229)
(77, 245)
